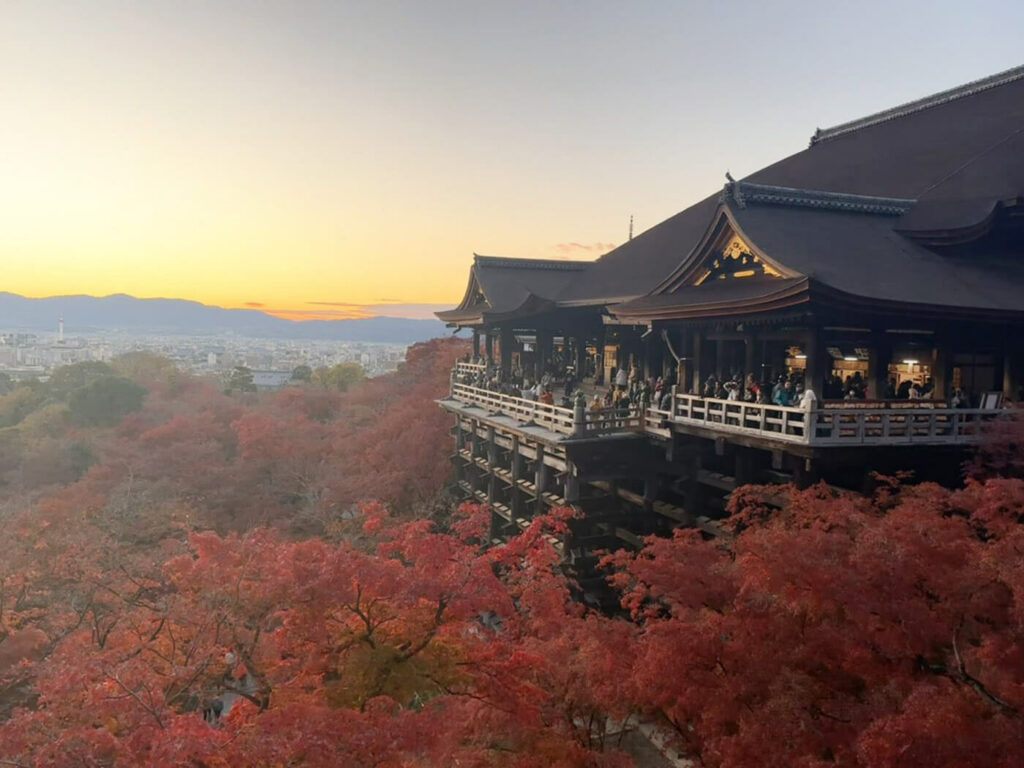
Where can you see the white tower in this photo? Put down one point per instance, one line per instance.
(60, 330)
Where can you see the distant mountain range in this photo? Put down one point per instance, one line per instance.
(85, 314)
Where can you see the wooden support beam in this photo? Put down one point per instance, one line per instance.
(699, 362)
(540, 481)
(879, 357)
(819, 361)
(489, 346)
(572, 484)
(517, 464)
(749, 355)
(942, 370)
(508, 341)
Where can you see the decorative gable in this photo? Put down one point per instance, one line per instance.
(734, 260)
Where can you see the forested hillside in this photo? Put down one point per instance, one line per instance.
(190, 578)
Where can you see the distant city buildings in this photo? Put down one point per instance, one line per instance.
(28, 355)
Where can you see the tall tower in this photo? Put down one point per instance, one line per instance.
(60, 330)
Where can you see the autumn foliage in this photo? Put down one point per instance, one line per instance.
(277, 579)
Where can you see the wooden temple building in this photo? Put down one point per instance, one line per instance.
(889, 251)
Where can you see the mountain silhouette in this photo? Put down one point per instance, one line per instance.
(120, 312)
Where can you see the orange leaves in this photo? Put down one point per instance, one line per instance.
(864, 631)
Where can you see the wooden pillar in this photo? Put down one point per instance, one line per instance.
(693, 493)
(543, 351)
(1012, 374)
(699, 362)
(476, 343)
(651, 488)
(489, 346)
(719, 354)
(508, 341)
(818, 360)
(806, 473)
(879, 357)
(517, 463)
(572, 483)
(459, 441)
(749, 357)
(746, 465)
(540, 479)
(492, 460)
(474, 475)
(581, 357)
(942, 371)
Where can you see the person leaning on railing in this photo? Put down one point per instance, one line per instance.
(808, 400)
(784, 395)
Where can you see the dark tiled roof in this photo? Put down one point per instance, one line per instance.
(513, 287)
(719, 296)
(503, 262)
(936, 99)
(862, 256)
(968, 196)
(959, 154)
(743, 192)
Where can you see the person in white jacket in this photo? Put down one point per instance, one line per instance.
(809, 400)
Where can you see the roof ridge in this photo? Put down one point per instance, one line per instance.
(511, 262)
(917, 105)
(743, 192)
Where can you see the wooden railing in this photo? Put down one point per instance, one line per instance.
(772, 421)
(839, 424)
(898, 423)
(608, 420)
(469, 369)
(575, 422)
(899, 426)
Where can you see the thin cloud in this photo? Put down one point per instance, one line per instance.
(355, 313)
(580, 249)
(347, 310)
(255, 304)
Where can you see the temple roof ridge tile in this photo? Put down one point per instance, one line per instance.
(508, 262)
(917, 105)
(745, 192)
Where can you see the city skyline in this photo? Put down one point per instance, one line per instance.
(323, 160)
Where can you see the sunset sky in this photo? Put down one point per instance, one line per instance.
(330, 159)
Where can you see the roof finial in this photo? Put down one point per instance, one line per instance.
(631, 226)
(729, 178)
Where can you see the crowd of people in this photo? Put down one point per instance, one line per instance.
(629, 391)
(785, 390)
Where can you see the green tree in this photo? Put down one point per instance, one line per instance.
(104, 402)
(145, 365)
(240, 380)
(302, 373)
(68, 378)
(19, 403)
(338, 377)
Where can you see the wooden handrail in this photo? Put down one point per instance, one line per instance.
(577, 421)
(899, 423)
(842, 425)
